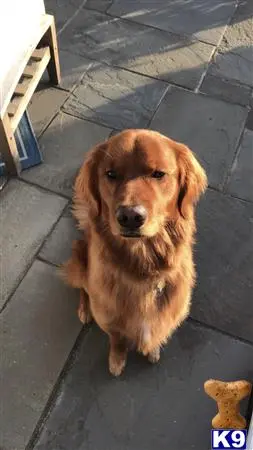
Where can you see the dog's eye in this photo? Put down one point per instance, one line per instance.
(157, 174)
(111, 174)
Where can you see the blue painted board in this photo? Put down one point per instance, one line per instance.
(27, 145)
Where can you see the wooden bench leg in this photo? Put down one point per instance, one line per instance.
(8, 147)
(53, 68)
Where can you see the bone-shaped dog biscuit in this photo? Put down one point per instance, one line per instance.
(228, 395)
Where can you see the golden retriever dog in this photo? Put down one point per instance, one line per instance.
(134, 200)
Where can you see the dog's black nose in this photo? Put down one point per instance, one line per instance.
(131, 217)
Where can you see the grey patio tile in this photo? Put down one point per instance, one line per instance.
(239, 32)
(249, 123)
(99, 5)
(235, 57)
(243, 12)
(241, 181)
(227, 90)
(148, 406)
(115, 97)
(114, 132)
(72, 69)
(136, 47)
(63, 146)
(251, 100)
(45, 103)
(57, 247)
(210, 127)
(223, 297)
(39, 328)
(234, 65)
(21, 207)
(204, 19)
(62, 10)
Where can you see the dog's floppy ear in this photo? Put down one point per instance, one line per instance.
(192, 179)
(87, 200)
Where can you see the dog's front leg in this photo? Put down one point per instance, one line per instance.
(154, 355)
(118, 354)
(84, 312)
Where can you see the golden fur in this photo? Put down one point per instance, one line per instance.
(138, 290)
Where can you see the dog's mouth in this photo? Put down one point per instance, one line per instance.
(131, 234)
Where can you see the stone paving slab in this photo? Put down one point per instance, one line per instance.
(39, 328)
(234, 59)
(243, 12)
(116, 98)
(241, 180)
(223, 296)
(73, 67)
(136, 47)
(162, 406)
(239, 32)
(27, 215)
(249, 123)
(228, 90)
(99, 5)
(233, 65)
(63, 146)
(210, 127)
(57, 247)
(44, 105)
(204, 19)
(62, 10)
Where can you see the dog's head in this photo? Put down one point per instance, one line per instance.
(138, 181)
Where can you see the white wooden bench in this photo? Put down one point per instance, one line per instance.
(34, 50)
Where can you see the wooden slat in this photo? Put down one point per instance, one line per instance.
(38, 54)
(46, 22)
(9, 151)
(13, 106)
(29, 71)
(22, 87)
(50, 39)
(34, 71)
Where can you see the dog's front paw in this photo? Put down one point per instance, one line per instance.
(84, 316)
(84, 312)
(116, 365)
(154, 356)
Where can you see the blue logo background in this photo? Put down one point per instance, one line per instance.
(227, 439)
